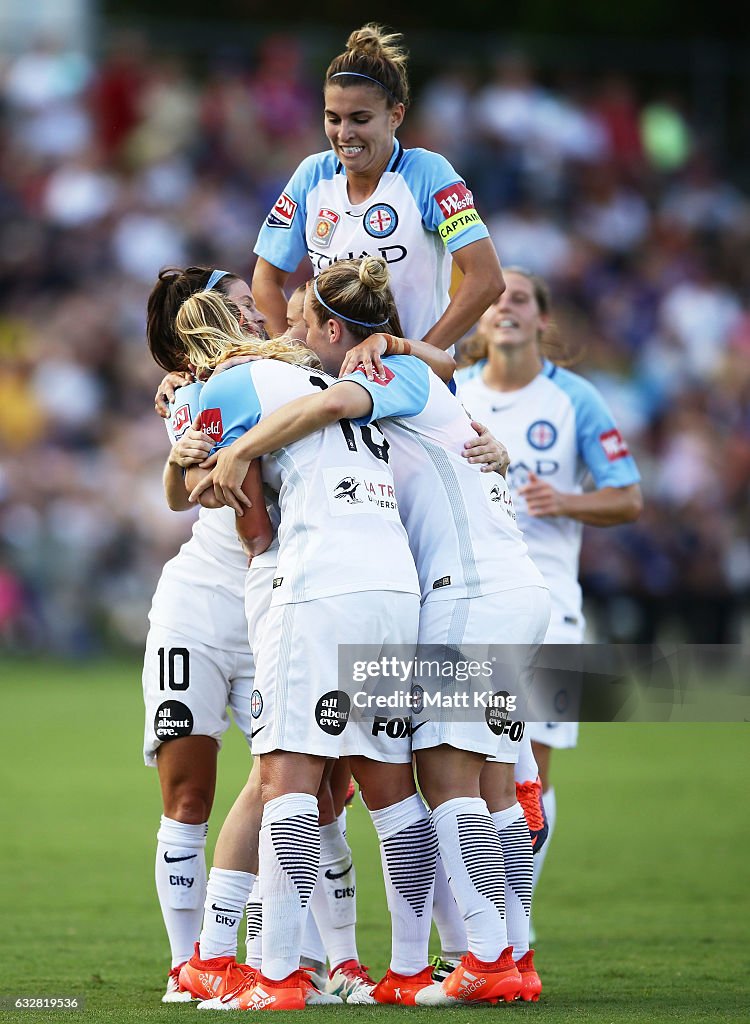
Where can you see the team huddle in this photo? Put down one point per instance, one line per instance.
(349, 502)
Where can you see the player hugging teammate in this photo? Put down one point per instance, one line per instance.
(440, 562)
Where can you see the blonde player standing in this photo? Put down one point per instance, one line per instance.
(559, 431)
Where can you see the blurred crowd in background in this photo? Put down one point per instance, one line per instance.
(112, 168)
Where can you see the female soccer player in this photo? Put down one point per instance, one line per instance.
(343, 560)
(477, 584)
(370, 196)
(558, 429)
(197, 659)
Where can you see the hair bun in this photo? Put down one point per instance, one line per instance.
(368, 40)
(373, 273)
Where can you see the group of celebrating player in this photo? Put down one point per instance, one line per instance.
(374, 511)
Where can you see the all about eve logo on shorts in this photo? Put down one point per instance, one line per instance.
(173, 719)
(332, 712)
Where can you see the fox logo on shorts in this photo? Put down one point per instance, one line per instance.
(347, 488)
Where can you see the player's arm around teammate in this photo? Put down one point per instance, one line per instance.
(297, 661)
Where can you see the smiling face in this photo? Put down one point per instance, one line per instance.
(360, 126)
(515, 320)
(251, 318)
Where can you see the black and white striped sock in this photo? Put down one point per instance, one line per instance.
(289, 858)
(473, 859)
(254, 922)
(408, 852)
(518, 855)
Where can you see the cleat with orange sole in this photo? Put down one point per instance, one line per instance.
(531, 983)
(209, 979)
(475, 981)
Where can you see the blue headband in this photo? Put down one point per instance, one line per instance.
(216, 276)
(357, 74)
(349, 320)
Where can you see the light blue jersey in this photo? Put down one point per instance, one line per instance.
(460, 521)
(559, 428)
(420, 212)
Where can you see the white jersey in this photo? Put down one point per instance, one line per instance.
(209, 570)
(461, 523)
(340, 529)
(559, 428)
(420, 212)
(215, 530)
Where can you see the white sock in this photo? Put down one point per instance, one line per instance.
(254, 922)
(408, 852)
(447, 917)
(550, 807)
(518, 855)
(289, 859)
(180, 874)
(342, 822)
(334, 903)
(226, 895)
(312, 944)
(526, 769)
(473, 858)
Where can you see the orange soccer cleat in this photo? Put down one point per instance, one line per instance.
(209, 979)
(529, 796)
(266, 994)
(531, 983)
(475, 981)
(399, 989)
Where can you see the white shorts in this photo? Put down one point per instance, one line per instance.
(187, 684)
(258, 591)
(187, 687)
(560, 735)
(510, 617)
(299, 703)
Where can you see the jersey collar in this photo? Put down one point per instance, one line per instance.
(549, 369)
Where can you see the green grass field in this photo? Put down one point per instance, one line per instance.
(643, 913)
